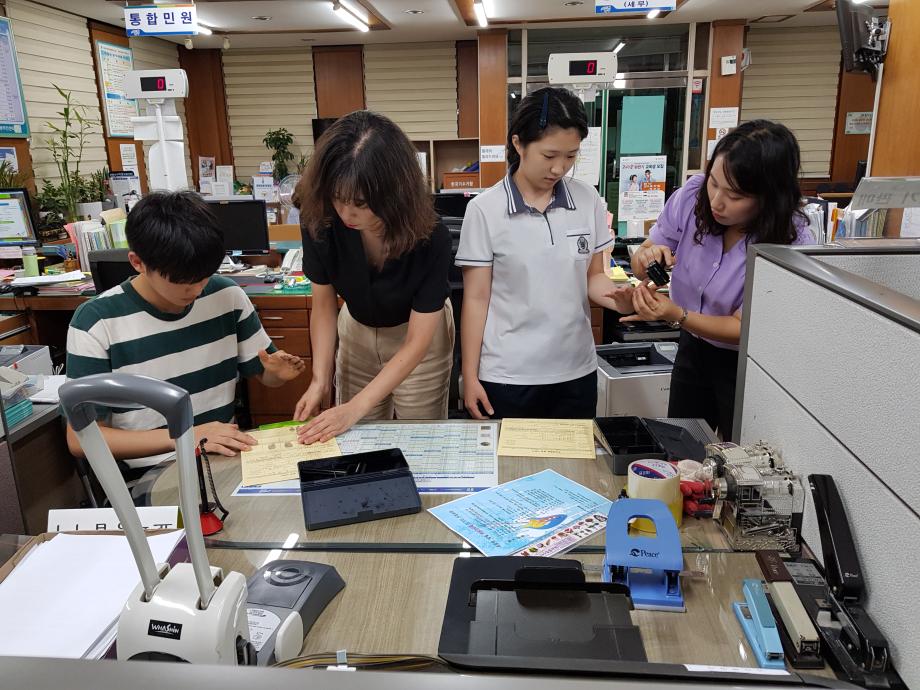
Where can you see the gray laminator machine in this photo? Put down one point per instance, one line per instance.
(634, 379)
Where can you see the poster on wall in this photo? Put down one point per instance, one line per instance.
(13, 119)
(642, 180)
(587, 166)
(114, 64)
(858, 123)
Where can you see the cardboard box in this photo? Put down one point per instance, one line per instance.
(461, 180)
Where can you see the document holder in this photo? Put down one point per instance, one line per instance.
(357, 488)
(534, 613)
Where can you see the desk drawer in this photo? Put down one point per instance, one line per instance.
(285, 318)
(295, 341)
(278, 401)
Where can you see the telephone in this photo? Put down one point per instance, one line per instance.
(293, 261)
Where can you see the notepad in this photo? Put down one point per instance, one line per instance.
(64, 598)
(547, 438)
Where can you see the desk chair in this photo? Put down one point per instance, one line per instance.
(110, 267)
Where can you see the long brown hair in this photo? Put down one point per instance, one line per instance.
(366, 157)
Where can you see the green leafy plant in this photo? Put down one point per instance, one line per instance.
(10, 178)
(52, 210)
(302, 163)
(278, 141)
(92, 188)
(66, 143)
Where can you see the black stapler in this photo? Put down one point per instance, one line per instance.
(852, 642)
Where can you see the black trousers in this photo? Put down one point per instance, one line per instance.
(703, 383)
(575, 399)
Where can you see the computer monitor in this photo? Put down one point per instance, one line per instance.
(454, 205)
(110, 267)
(244, 225)
(16, 227)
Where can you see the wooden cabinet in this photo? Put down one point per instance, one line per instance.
(286, 319)
(597, 324)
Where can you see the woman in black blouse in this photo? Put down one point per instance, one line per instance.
(372, 237)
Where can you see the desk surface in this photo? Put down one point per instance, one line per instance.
(268, 521)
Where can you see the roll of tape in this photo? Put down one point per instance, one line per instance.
(656, 479)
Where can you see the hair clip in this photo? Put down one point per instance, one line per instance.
(544, 112)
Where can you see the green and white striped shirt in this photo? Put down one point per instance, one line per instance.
(203, 349)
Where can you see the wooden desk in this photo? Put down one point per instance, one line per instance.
(267, 521)
(37, 473)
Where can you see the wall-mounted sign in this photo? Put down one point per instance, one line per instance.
(612, 6)
(161, 20)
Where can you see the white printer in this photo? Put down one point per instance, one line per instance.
(634, 379)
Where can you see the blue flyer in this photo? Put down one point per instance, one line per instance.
(539, 515)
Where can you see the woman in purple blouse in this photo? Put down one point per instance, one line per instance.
(749, 194)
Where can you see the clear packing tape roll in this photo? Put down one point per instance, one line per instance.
(656, 479)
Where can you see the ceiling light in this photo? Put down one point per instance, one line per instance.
(480, 12)
(189, 44)
(346, 16)
(653, 13)
(262, 18)
(356, 10)
(226, 43)
(414, 12)
(620, 46)
(619, 83)
(204, 30)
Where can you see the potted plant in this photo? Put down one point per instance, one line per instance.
(279, 142)
(91, 192)
(66, 143)
(52, 209)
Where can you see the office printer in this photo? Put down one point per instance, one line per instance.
(634, 379)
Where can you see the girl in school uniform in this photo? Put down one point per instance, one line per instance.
(530, 248)
(371, 237)
(749, 194)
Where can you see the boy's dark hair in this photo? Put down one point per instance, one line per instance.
(760, 160)
(545, 108)
(365, 157)
(176, 235)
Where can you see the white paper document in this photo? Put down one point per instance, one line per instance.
(65, 597)
(446, 458)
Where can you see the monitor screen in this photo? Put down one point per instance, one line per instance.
(243, 224)
(16, 218)
(447, 204)
(109, 267)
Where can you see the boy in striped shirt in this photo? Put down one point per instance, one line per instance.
(178, 322)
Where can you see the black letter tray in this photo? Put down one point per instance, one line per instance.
(357, 488)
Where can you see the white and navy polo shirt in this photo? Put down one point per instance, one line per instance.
(538, 327)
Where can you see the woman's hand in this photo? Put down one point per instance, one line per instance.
(329, 424)
(651, 305)
(623, 298)
(646, 255)
(311, 401)
(475, 395)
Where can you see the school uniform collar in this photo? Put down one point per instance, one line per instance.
(562, 198)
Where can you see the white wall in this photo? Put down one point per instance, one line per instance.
(415, 85)
(268, 89)
(793, 79)
(53, 47)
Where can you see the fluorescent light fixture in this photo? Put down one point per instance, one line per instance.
(356, 10)
(346, 16)
(204, 30)
(619, 83)
(653, 13)
(480, 14)
(620, 46)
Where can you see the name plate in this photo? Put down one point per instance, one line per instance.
(105, 519)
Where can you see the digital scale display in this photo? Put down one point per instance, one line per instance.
(153, 83)
(582, 68)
